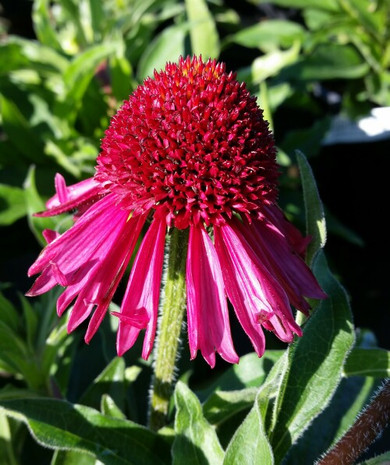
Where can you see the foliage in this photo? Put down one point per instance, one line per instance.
(57, 93)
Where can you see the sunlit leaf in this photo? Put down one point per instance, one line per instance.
(250, 445)
(167, 46)
(60, 425)
(203, 31)
(316, 364)
(331, 5)
(196, 442)
(269, 35)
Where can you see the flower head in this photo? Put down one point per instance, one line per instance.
(188, 149)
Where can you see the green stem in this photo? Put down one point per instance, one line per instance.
(170, 325)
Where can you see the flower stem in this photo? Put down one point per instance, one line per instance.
(170, 325)
(368, 426)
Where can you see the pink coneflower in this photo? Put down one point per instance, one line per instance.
(189, 149)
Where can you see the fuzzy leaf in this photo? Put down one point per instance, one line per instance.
(250, 445)
(350, 398)
(196, 442)
(250, 372)
(315, 216)
(368, 362)
(383, 459)
(60, 425)
(316, 364)
(221, 405)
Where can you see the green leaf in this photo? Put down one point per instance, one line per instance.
(9, 314)
(12, 204)
(15, 354)
(250, 445)
(235, 390)
(30, 321)
(20, 131)
(203, 31)
(60, 425)
(196, 442)
(74, 14)
(222, 405)
(368, 362)
(78, 76)
(97, 18)
(35, 204)
(316, 364)
(17, 54)
(269, 64)
(108, 407)
(362, 12)
(167, 46)
(269, 35)
(250, 372)
(109, 382)
(383, 459)
(44, 29)
(350, 398)
(331, 5)
(328, 61)
(72, 458)
(121, 77)
(7, 455)
(315, 216)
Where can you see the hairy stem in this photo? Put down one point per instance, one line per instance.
(368, 426)
(170, 325)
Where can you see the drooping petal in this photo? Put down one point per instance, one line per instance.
(289, 231)
(207, 312)
(89, 260)
(69, 197)
(102, 281)
(73, 251)
(286, 265)
(140, 302)
(50, 235)
(256, 296)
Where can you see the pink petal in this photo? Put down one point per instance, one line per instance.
(256, 296)
(74, 245)
(289, 231)
(143, 291)
(207, 312)
(68, 198)
(75, 255)
(103, 280)
(50, 235)
(288, 268)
